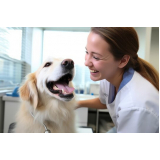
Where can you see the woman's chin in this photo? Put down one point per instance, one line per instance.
(95, 78)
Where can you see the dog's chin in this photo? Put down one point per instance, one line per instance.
(61, 96)
(66, 97)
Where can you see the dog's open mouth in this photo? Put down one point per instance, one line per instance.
(61, 86)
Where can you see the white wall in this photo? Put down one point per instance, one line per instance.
(141, 31)
(154, 50)
(144, 34)
(149, 44)
(82, 29)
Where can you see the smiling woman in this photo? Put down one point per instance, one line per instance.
(99, 59)
(129, 86)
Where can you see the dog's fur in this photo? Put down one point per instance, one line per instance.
(56, 112)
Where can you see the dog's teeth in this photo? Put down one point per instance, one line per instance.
(64, 91)
(55, 87)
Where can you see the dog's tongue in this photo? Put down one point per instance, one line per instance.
(65, 87)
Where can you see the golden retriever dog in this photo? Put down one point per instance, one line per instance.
(48, 101)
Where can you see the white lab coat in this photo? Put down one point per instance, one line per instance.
(135, 109)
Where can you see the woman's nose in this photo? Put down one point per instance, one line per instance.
(87, 61)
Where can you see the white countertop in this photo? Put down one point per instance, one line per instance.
(84, 130)
(78, 97)
(3, 92)
(9, 98)
(85, 96)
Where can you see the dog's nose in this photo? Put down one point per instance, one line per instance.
(68, 64)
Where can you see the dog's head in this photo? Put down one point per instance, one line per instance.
(53, 79)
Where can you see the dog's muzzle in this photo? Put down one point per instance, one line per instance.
(67, 64)
(61, 86)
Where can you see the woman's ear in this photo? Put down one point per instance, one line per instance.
(124, 61)
(28, 91)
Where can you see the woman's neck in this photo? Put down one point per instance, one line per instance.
(117, 79)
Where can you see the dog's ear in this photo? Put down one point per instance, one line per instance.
(28, 91)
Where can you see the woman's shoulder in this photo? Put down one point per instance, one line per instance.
(142, 94)
(141, 85)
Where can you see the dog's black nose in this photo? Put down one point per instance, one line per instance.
(68, 64)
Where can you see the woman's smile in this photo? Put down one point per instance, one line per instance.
(93, 71)
(95, 74)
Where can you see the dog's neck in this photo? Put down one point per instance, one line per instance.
(51, 110)
(45, 127)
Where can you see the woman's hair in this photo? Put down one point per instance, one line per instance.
(124, 41)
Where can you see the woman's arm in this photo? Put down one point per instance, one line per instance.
(92, 103)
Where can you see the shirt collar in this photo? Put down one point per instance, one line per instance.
(127, 76)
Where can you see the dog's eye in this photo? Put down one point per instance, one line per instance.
(47, 64)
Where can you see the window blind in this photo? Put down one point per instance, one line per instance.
(15, 55)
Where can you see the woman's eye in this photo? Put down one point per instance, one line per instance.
(96, 58)
(47, 64)
(86, 52)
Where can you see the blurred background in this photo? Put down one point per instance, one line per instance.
(23, 49)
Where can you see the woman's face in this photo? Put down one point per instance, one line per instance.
(99, 60)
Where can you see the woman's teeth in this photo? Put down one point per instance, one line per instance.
(93, 71)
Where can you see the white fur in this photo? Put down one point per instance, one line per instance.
(48, 108)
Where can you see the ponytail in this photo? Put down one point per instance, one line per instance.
(147, 71)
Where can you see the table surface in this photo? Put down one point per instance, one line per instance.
(84, 130)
